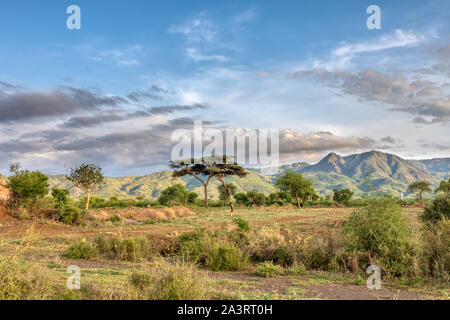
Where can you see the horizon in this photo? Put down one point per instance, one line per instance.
(114, 91)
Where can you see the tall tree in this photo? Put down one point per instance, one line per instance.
(224, 169)
(87, 177)
(297, 185)
(419, 187)
(444, 186)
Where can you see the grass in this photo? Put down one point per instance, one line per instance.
(108, 273)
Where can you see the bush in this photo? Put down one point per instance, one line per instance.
(115, 218)
(268, 270)
(82, 249)
(436, 250)
(439, 209)
(380, 234)
(242, 224)
(225, 258)
(174, 195)
(131, 249)
(193, 246)
(71, 215)
(169, 282)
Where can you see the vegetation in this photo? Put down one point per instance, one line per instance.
(342, 196)
(87, 177)
(438, 210)
(174, 195)
(61, 197)
(420, 187)
(298, 186)
(26, 187)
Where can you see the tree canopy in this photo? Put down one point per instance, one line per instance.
(87, 177)
(297, 185)
(420, 187)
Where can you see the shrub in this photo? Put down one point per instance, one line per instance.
(241, 199)
(264, 244)
(71, 215)
(436, 250)
(193, 246)
(60, 196)
(342, 196)
(296, 270)
(439, 209)
(131, 249)
(268, 270)
(21, 280)
(192, 197)
(225, 257)
(174, 195)
(115, 218)
(242, 224)
(169, 282)
(82, 249)
(379, 233)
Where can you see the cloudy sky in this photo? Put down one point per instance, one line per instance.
(113, 92)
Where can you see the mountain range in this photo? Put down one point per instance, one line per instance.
(385, 172)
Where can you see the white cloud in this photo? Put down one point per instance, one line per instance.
(195, 55)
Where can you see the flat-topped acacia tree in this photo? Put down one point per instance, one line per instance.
(87, 177)
(204, 171)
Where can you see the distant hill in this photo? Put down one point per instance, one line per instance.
(386, 172)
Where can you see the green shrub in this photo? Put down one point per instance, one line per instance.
(296, 270)
(436, 250)
(169, 282)
(268, 270)
(115, 218)
(439, 209)
(71, 215)
(174, 195)
(242, 224)
(132, 249)
(225, 258)
(380, 234)
(82, 249)
(193, 246)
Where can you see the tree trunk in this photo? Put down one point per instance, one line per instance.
(206, 194)
(230, 196)
(421, 199)
(88, 199)
(298, 201)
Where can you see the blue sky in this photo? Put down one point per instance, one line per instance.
(309, 68)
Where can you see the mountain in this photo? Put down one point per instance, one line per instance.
(150, 186)
(386, 172)
(439, 167)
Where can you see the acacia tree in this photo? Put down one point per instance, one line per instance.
(419, 187)
(222, 170)
(202, 171)
(297, 185)
(87, 177)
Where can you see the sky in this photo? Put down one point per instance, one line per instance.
(114, 91)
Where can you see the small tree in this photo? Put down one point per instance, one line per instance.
(26, 187)
(87, 177)
(174, 195)
(438, 210)
(60, 196)
(192, 197)
(342, 196)
(444, 187)
(297, 185)
(419, 187)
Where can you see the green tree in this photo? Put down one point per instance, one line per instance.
(174, 195)
(444, 186)
(342, 196)
(26, 187)
(297, 185)
(192, 197)
(438, 210)
(280, 198)
(87, 177)
(60, 196)
(256, 198)
(419, 187)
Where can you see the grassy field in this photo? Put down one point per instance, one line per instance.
(41, 246)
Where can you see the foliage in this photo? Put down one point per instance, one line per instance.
(280, 198)
(436, 249)
(438, 210)
(420, 187)
(71, 215)
(192, 197)
(174, 195)
(342, 196)
(381, 234)
(297, 185)
(26, 187)
(268, 270)
(87, 177)
(256, 198)
(444, 186)
(82, 249)
(223, 194)
(242, 224)
(60, 196)
(225, 257)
